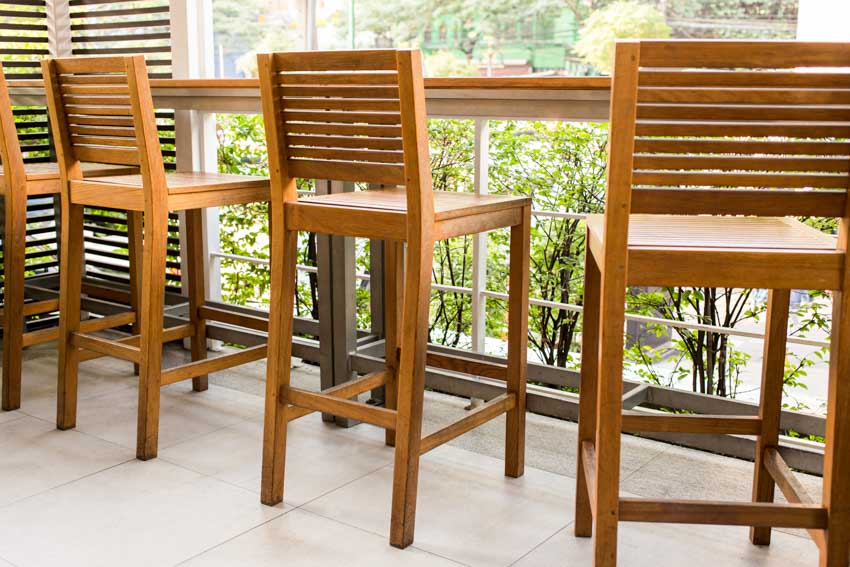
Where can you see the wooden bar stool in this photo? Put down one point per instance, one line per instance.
(755, 131)
(359, 116)
(18, 181)
(101, 110)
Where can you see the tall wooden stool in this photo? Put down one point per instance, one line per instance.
(359, 116)
(101, 110)
(18, 181)
(720, 128)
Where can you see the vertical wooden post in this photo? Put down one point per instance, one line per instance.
(589, 383)
(770, 405)
(517, 344)
(613, 268)
(14, 226)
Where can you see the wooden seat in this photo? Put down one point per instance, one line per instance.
(359, 116)
(18, 182)
(101, 110)
(195, 188)
(728, 251)
(734, 129)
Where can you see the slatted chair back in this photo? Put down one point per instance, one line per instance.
(742, 128)
(102, 112)
(354, 116)
(14, 172)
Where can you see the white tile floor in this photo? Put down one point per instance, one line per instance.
(80, 498)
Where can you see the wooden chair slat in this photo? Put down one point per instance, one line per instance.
(806, 96)
(342, 117)
(91, 80)
(749, 147)
(347, 171)
(752, 54)
(89, 100)
(89, 120)
(104, 141)
(742, 129)
(373, 92)
(378, 156)
(723, 179)
(107, 155)
(713, 111)
(101, 131)
(359, 142)
(745, 79)
(74, 109)
(365, 79)
(350, 104)
(741, 163)
(767, 202)
(93, 90)
(361, 60)
(366, 130)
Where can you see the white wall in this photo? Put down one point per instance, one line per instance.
(824, 20)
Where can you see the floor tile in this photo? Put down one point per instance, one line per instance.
(36, 457)
(665, 545)
(96, 378)
(303, 539)
(320, 456)
(468, 510)
(139, 513)
(5, 563)
(550, 443)
(184, 414)
(7, 416)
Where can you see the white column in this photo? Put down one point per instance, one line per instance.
(823, 20)
(193, 57)
(58, 13)
(479, 244)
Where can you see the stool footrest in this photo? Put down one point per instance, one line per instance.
(209, 365)
(375, 415)
(168, 334)
(37, 307)
(237, 319)
(480, 415)
(678, 423)
(467, 365)
(106, 347)
(588, 461)
(791, 487)
(723, 513)
(88, 326)
(346, 390)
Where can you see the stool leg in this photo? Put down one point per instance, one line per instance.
(14, 254)
(283, 259)
(150, 344)
(411, 390)
(393, 280)
(589, 384)
(770, 406)
(70, 290)
(517, 344)
(836, 462)
(197, 291)
(134, 253)
(609, 404)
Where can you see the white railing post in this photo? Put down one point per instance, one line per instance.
(193, 57)
(58, 15)
(481, 163)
